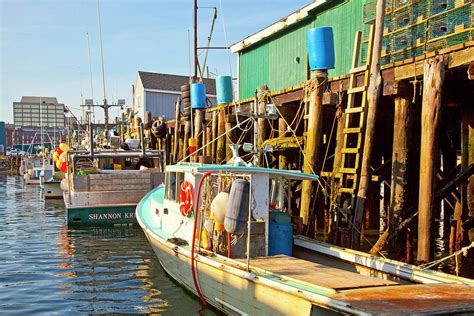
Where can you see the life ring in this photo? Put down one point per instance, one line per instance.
(186, 198)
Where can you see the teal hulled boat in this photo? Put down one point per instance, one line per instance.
(224, 233)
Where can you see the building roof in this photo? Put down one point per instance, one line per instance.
(50, 100)
(167, 82)
(270, 30)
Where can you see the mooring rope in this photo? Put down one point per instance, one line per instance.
(463, 250)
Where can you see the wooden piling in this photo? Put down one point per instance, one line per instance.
(215, 120)
(198, 130)
(432, 94)
(187, 132)
(402, 131)
(177, 129)
(208, 138)
(282, 133)
(313, 139)
(373, 95)
(262, 124)
(231, 136)
(220, 150)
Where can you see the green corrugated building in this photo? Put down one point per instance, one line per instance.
(277, 55)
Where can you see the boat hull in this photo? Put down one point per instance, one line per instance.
(228, 292)
(52, 190)
(104, 215)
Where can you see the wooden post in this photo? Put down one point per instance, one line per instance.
(215, 119)
(187, 132)
(208, 139)
(467, 159)
(220, 155)
(313, 138)
(431, 105)
(230, 135)
(177, 128)
(281, 154)
(402, 131)
(198, 131)
(373, 95)
(262, 104)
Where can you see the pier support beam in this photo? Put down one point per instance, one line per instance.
(402, 131)
(432, 93)
(220, 155)
(282, 154)
(373, 94)
(313, 139)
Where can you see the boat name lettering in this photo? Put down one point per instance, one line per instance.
(93, 217)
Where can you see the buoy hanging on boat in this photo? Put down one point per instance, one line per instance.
(186, 198)
(219, 207)
(238, 207)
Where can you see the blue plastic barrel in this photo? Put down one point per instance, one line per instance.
(280, 239)
(224, 89)
(198, 95)
(321, 48)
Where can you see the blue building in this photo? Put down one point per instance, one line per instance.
(3, 138)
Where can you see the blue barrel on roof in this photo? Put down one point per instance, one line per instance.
(198, 95)
(321, 48)
(224, 89)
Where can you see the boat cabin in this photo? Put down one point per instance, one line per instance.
(242, 201)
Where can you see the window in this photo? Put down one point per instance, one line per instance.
(173, 183)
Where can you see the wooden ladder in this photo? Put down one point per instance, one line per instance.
(354, 127)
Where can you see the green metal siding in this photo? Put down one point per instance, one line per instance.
(253, 70)
(273, 63)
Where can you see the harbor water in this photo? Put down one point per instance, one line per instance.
(46, 268)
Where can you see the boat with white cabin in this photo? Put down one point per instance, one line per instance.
(103, 188)
(224, 233)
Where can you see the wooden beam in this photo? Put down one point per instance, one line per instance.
(313, 139)
(220, 156)
(431, 106)
(402, 131)
(373, 95)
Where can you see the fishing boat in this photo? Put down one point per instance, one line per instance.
(32, 166)
(224, 233)
(103, 188)
(52, 187)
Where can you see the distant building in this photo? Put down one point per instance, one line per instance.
(35, 114)
(36, 111)
(157, 93)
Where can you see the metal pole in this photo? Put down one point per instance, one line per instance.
(142, 138)
(195, 42)
(91, 138)
(249, 224)
(255, 131)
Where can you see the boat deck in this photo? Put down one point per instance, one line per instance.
(411, 299)
(315, 273)
(371, 294)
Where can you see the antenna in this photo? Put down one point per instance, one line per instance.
(90, 73)
(106, 114)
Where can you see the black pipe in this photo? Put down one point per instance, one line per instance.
(91, 138)
(142, 138)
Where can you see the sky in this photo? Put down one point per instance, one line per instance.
(44, 44)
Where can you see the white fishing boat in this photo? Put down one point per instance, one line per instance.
(104, 188)
(224, 233)
(32, 166)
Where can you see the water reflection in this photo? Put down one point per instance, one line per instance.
(46, 268)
